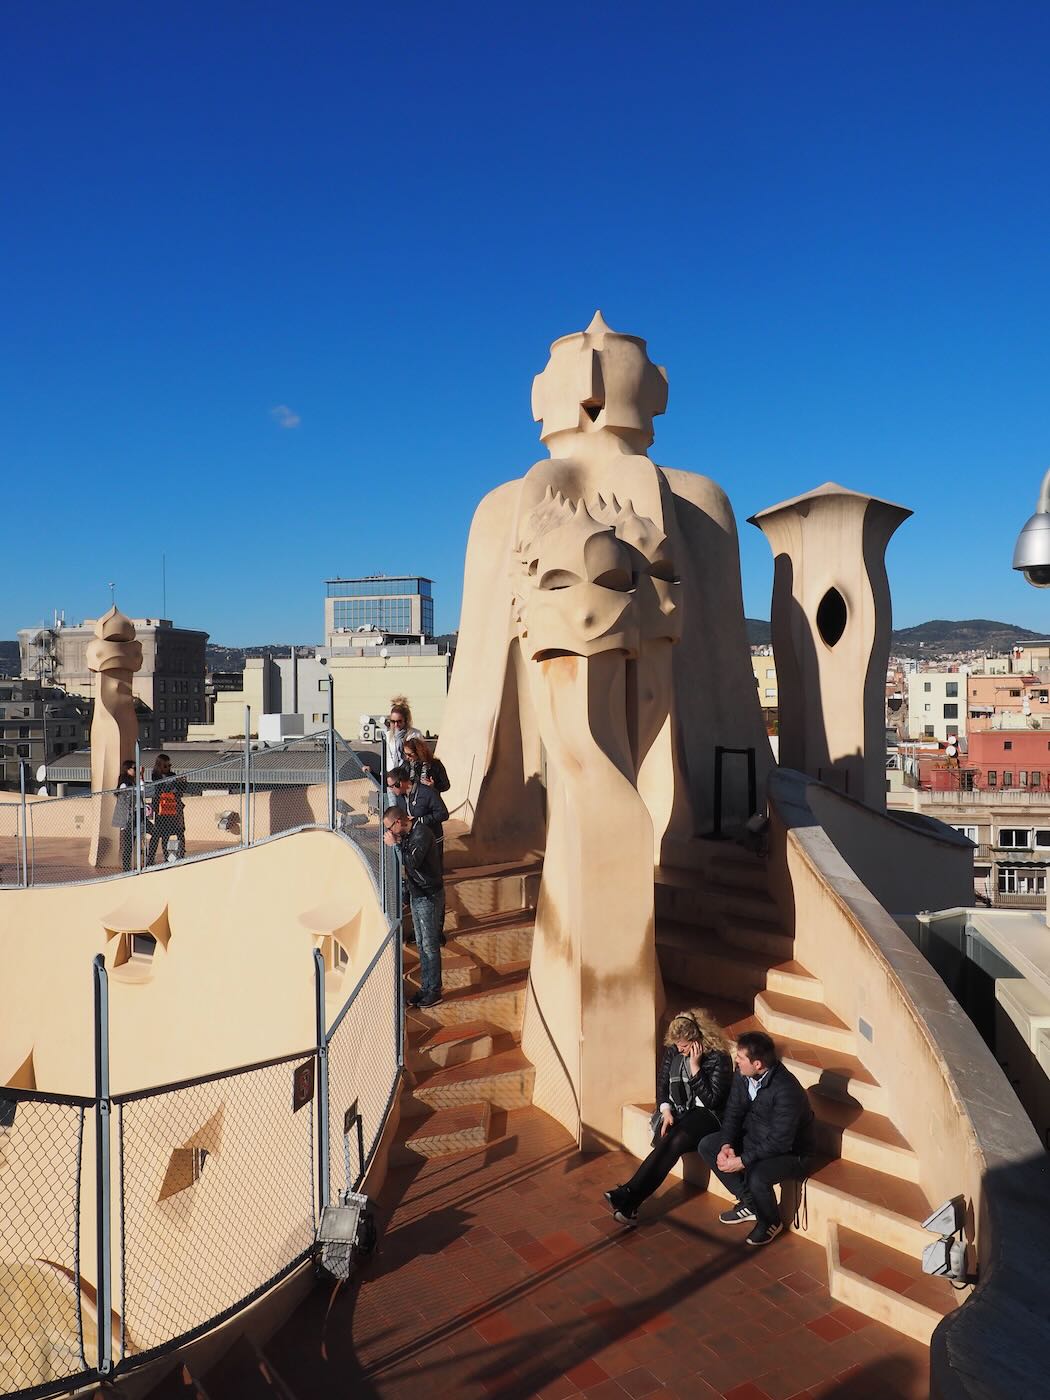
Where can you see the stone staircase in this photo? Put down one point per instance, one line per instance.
(464, 1065)
(721, 945)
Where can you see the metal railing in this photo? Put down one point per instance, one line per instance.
(233, 800)
(171, 1208)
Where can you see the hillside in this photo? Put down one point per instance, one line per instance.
(941, 637)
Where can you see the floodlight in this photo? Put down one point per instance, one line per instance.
(946, 1219)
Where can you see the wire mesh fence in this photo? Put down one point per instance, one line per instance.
(47, 1335)
(236, 798)
(363, 1064)
(10, 843)
(217, 1198)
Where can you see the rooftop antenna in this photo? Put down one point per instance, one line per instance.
(163, 585)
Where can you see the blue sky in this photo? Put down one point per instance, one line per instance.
(277, 279)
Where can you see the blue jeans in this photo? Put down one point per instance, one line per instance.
(428, 916)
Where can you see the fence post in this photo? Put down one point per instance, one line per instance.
(331, 752)
(246, 822)
(138, 808)
(103, 1186)
(24, 844)
(381, 804)
(399, 992)
(323, 1182)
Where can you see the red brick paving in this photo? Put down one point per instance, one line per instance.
(501, 1274)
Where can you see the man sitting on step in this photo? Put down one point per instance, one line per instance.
(766, 1137)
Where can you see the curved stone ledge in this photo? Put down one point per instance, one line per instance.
(947, 1093)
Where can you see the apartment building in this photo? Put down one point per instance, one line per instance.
(396, 604)
(38, 723)
(170, 683)
(937, 704)
(765, 669)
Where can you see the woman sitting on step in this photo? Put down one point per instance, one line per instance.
(691, 1090)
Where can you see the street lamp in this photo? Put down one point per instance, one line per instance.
(1032, 551)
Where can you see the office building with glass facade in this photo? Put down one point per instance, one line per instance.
(401, 604)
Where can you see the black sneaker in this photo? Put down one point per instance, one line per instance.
(738, 1215)
(415, 999)
(763, 1234)
(617, 1197)
(626, 1216)
(425, 1002)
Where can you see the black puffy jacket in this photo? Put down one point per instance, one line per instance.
(712, 1082)
(779, 1120)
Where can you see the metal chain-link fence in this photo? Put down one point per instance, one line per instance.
(236, 798)
(364, 1047)
(217, 1197)
(46, 1334)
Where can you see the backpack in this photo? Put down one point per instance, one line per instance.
(167, 803)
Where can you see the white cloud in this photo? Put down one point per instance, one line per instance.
(284, 416)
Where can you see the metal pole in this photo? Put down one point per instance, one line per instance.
(752, 784)
(399, 992)
(246, 822)
(138, 807)
(719, 751)
(103, 1186)
(25, 833)
(323, 1182)
(384, 859)
(331, 751)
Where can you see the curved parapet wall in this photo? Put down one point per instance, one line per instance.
(947, 1093)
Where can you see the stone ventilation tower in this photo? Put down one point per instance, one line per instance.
(115, 655)
(831, 634)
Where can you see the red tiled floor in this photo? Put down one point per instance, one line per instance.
(500, 1274)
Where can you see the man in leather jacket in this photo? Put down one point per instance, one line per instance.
(425, 882)
(766, 1137)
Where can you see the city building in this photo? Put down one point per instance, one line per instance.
(171, 681)
(38, 722)
(365, 678)
(1003, 701)
(397, 604)
(937, 704)
(765, 669)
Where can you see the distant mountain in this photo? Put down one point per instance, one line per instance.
(758, 632)
(940, 637)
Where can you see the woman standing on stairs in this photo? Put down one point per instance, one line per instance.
(691, 1090)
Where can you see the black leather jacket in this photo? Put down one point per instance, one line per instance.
(712, 1083)
(779, 1121)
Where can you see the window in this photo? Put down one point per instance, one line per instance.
(1035, 779)
(993, 778)
(23, 751)
(952, 731)
(1042, 838)
(1008, 743)
(1008, 778)
(927, 687)
(951, 712)
(951, 689)
(1022, 881)
(770, 694)
(970, 832)
(1017, 838)
(928, 732)
(771, 675)
(927, 709)
(1014, 694)
(23, 731)
(1022, 777)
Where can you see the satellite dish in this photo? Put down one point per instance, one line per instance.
(41, 773)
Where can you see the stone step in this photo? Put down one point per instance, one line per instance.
(457, 969)
(887, 1285)
(455, 1045)
(698, 958)
(857, 1135)
(798, 1019)
(504, 1080)
(445, 1133)
(758, 937)
(792, 979)
(498, 947)
(500, 1000)
(477, 892)
(837, 1076)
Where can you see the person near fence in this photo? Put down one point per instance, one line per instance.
(766, 1137)
(124, 811)
(423, 767)
(398, 729)
(422, 802)
(167, 792)
(424, 878)
(692, 1085)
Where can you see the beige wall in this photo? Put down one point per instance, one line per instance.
(765, 669)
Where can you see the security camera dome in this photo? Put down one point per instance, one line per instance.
(1032, 552)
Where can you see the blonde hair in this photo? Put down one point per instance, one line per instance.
(400, 703)
(697, 1024)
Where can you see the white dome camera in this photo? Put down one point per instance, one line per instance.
(1032, 551)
